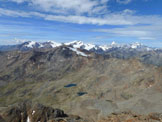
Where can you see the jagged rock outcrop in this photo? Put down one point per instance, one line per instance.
(28, 112)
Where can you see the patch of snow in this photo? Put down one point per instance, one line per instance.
(28, 119)
(80, 44)
(40, 45)
(78, 52)
(89, 47)
(31, 44)
(150, 86)
(54, 44)
(33, 112)
(148, 49)
(113, 43)
(75, 44)
(105, 47)
(135, 45)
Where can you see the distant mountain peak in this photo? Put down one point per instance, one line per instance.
(136, 45)
(79, 44)
(53, 44)
(30, 44)
(76, 43)
(113, 43)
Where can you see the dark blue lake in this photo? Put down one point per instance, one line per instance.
(81, 93)
(70, 85)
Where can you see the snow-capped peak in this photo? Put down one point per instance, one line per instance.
(54, 44)
(113, 43)
(75, 44)
(105, 47)
(89, 47)
(136, 45)
(30, 44)
(80, 44)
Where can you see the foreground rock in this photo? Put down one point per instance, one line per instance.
(130, 117)
(28, 112)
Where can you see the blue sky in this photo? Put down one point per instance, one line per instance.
(92, 21)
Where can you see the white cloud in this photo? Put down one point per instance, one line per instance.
(68, 6)
(142, 32)
(111, 20)
(128, 11)
(13, 13)
(7, 12)
(124, 1)
(125, 17)
(146, 27)
(18, 1)
(107, 20)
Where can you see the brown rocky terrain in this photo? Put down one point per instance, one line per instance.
(28, 112)
(92, 87)
(129, 117)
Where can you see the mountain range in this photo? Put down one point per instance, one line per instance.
(88, 80)
(145, 54)
(76, 44)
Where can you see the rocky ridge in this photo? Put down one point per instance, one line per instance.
(29, 112)
(145, 54)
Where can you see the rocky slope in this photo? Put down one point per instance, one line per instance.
(28, 112)
(130, 117)
(82, 82)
